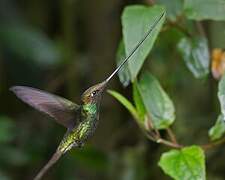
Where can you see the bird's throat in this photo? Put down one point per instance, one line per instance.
(90, 108)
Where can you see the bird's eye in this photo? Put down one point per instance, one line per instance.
(93, 93)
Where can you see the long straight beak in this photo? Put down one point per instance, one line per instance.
(135, 48)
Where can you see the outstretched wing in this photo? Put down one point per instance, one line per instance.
(61, 109)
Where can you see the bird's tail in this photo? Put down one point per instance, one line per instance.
(50, 163)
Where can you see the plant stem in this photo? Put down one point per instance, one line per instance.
(181, 28)
(151, 2)
(213, 144)
(171, 135)
(200, 29)
(169, 143)
(158, 139)
(154, 135)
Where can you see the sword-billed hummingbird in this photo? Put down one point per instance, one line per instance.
(80, 120)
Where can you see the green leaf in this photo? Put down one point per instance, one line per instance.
(185, 164)
(196, 55)
(173, 8)
(124, 102)
(29, 44)
(218, 130)
(6, 129)
(136, 21)
(205, 9)
(157, 103)
(138, 102)
(124, 75)
(221, 94)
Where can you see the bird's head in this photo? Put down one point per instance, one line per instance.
(94, 93)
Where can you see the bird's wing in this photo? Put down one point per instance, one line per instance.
(61, 109)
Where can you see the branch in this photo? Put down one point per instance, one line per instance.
(163, 141)
(200, 29)
(213, 144)
(150, 2)
(171, 135)
(178, 26)
(154, 135)
(169, 143)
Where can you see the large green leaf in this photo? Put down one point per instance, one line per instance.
(124, 74)
(205, 9)
(218, 130)
(185, 164)
(221, 94)
(157, 103)
(136, 21)
(196, 55)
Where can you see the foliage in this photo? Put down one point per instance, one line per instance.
(205, 9)
(221, 95)
(156, 102)
(195, 54)
(125, 102)
(153, 108)
(131, 18)
(218, 129)
(167, 87)
(173, 8)
(187, 163)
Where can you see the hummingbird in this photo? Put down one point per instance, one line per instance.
(79, 120)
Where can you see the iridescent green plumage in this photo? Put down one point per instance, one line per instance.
(78, 135)
(80, 120)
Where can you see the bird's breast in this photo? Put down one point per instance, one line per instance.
(80, 134)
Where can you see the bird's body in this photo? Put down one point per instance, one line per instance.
(88, 117)
(83, 131)
(80, 120)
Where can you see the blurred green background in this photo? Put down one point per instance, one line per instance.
(65, 46)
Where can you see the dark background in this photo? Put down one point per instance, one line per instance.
(65, 46)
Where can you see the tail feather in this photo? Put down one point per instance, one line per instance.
(50, 163)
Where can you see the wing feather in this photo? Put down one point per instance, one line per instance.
(61, 109)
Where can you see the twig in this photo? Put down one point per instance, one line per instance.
(213, 144)
(171, 135)
(200, 28)
(169, 143)
(163, 141)
(154, 135)
(178, 26)
(151, 2)
(150, 126)
(149, 136)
